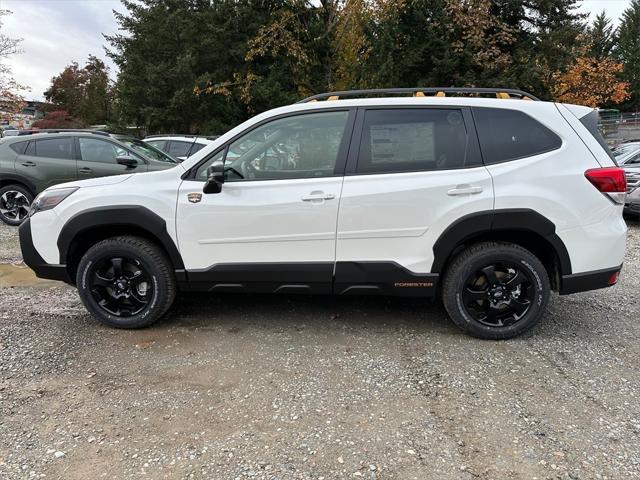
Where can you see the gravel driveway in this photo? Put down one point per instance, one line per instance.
(313, 387)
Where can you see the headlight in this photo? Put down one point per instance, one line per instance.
(50, 198)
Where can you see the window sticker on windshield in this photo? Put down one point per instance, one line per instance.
(403, 142)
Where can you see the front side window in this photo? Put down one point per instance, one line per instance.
(19, 147)
(54, 148)
(408, 140)
(300, 146)
(101, 151)
(510, 134)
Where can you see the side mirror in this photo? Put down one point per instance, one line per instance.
(214, 181)
(128, 162)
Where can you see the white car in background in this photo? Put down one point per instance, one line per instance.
(180, 146)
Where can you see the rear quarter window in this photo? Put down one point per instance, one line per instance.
(590, 122)
(506, 135)
(19, 147)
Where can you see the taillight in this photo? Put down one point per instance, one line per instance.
(611, 181)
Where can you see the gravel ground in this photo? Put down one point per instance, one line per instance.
(281, 387)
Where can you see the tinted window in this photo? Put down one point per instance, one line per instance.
(31, 149)
(101, 151)
(510, 134)
(196, 148)
(54, 148)
(179, 149)
(301, 146)
(405, 140)
(590, 122)
(159, 144)
(146, 150)
(19, 147)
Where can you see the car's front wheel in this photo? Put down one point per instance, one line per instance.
(495, 290)
(126, 282)
(15, 201)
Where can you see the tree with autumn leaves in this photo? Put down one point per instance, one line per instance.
(11, 92)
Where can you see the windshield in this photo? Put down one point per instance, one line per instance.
(147, 150)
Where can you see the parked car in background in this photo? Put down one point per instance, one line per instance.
(30, 165)
(628, 152)
(180, 146)
(18, 133)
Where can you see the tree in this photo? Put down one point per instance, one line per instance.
(11, 99)
(83, 92)
(627, 51)
(601, 37)
(58, 119)
(590, 81)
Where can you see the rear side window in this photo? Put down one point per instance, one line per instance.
(509, 135)
(409, 140)
(196, 147)
(31, 149)
(19, 147)
(54, 148)
(179, 149)
(590, 122)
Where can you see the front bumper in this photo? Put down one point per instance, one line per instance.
(33, 259)
(583, 282)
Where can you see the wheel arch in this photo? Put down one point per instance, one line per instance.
(523, 227)
(11, 179)
(93, 225)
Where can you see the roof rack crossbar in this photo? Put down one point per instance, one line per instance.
(435, 91)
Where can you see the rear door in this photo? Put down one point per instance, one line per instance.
(48, 161)
(97, 158)
(412, 173)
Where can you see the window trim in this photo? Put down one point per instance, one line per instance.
(341, 159)
(542, 152)
(473, 146)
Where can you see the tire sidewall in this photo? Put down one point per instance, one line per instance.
(534, 270)
(149, 315)
(23, 191)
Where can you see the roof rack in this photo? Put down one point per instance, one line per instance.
(73, 130)
(208, 137)
(424, 92)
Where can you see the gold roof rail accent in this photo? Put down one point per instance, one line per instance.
(418, 94)
(333, 97)
(424, 92)
(503, 95)
(441, 94)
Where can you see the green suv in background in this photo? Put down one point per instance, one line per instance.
(28, 165)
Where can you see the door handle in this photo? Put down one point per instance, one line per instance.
(318, 196)
(465, 190)
(86, 170)
(28, 164)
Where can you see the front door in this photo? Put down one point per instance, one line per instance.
(48, 161)
(273, 225)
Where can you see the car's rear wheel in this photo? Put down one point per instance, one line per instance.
(15, 201)
(495, 290)
(126, 282)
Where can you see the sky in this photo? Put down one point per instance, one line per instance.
(58, 32)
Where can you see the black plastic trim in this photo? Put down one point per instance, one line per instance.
(382, 278)
(121, 215)
(516, 219)
(585, 281)
(34, 261)
(20, 179)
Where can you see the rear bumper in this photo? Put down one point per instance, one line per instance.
(583, 282)
(33, 259)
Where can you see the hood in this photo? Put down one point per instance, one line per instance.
(94, 182)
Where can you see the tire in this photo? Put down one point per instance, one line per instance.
(126, 282)
(15, 201)
(495, 290)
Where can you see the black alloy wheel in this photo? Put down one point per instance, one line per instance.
(498, 295)
(120, 286)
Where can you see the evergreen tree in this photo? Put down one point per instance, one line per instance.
(601, 37)
(628, 51)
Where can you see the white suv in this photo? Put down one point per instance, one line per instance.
(488, 203)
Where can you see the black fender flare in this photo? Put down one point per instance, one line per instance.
(513, 219)
(19, 179)
(118, 216)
